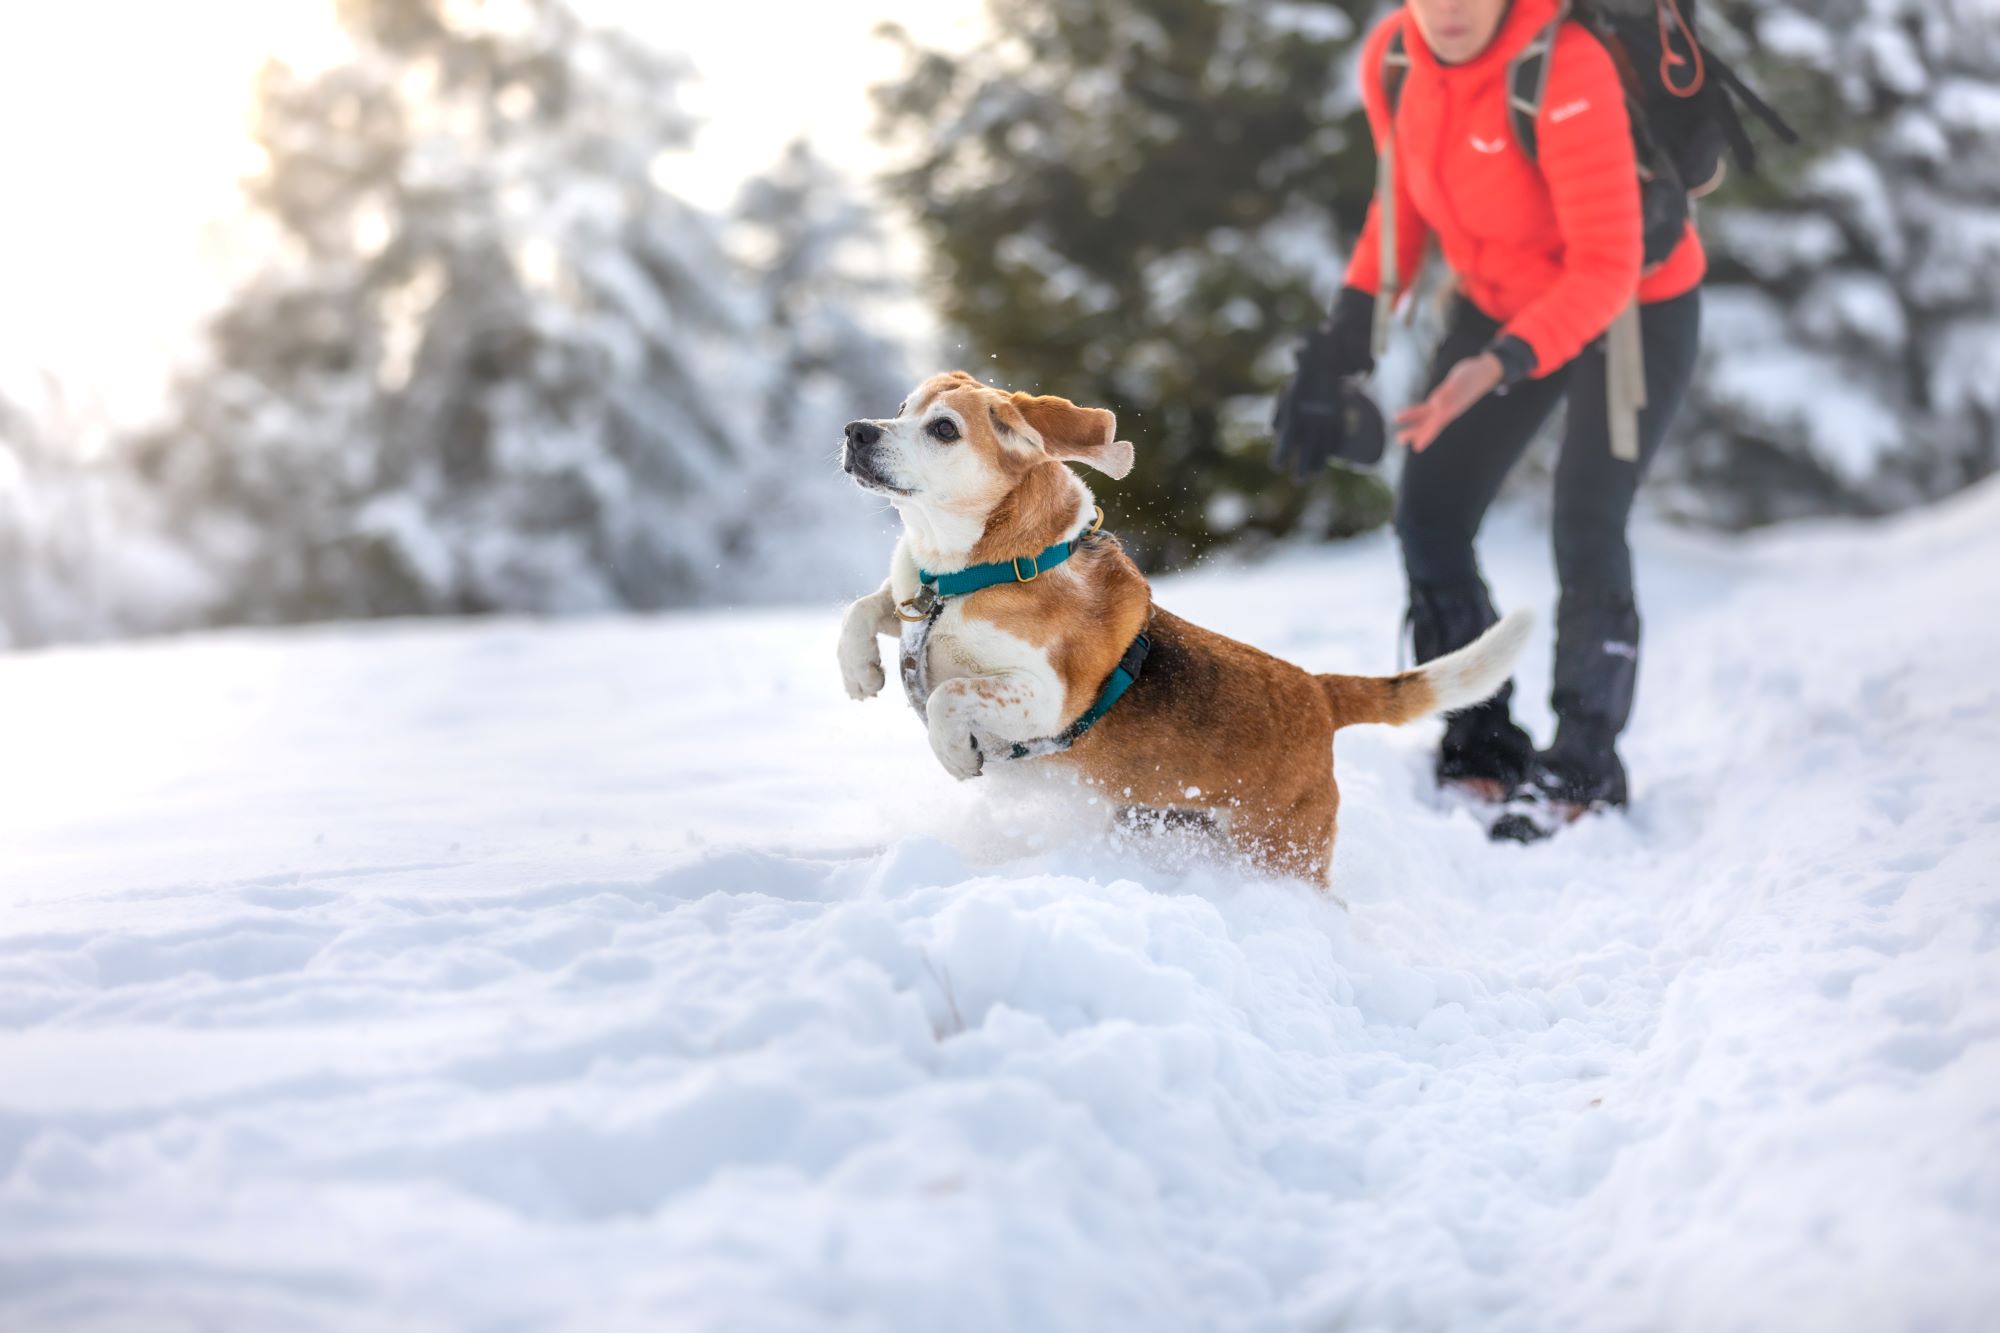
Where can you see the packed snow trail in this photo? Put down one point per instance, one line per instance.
(625, 974)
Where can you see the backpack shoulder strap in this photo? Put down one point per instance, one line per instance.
(1389, 280)
(1732, 124)
(1528, 82)
(1395, 68)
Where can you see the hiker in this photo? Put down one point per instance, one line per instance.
(1570, 285)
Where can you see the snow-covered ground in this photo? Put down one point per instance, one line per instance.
(626, 975)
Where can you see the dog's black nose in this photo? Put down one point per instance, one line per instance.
(863, 432)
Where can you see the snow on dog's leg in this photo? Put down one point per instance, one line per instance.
(1290, 838)
(860, 655)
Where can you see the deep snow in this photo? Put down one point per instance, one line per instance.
(625, 974)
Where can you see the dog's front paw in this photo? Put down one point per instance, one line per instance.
(860, 654)
(862, 673)
(953, 742)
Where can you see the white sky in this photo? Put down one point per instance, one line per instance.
(122, 133)
(771, 69)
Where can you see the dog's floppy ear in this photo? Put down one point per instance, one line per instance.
(1085, 434)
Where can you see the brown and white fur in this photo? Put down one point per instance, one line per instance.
(1210, 724)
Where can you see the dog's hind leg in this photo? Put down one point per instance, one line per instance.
(1294, 839)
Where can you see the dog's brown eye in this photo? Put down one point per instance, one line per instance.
(944, 428)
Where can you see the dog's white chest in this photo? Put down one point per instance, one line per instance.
(947, 646)
(931, 652)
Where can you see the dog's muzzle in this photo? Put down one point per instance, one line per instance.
(857, 457)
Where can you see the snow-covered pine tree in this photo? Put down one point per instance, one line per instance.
(1852, 326)
(827, 287)
(31, 583)
(83, 550)
(495, 363)
(1142, 204)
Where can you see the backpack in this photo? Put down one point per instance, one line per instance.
(1680, 97)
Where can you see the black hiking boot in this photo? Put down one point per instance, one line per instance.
(1579, 773)
(1582, 767)
(1484, 752)
(1596, 671)
(1527, 816)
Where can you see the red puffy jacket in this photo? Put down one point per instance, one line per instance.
(1548, 246)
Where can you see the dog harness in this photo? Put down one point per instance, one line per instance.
(920, 613)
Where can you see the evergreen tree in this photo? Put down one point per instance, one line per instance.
(1138, 204)
(83, 550)
(821, 266)
(497, 364)
(826, 287)
(1852, 322)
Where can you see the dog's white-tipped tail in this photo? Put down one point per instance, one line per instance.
(1475, 673)
(1472, 675)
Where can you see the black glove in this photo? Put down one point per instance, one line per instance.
(1322, 411)
(1516, 358)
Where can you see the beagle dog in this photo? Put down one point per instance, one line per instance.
(1028, 635)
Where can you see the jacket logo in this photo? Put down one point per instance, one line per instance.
(1489, 145)
(1568, 109)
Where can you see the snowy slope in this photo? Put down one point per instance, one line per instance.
(627, 975)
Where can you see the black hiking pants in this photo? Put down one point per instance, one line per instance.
(1446, 489)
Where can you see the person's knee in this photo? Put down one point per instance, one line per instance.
(1435, 534)
(1435, 548)
(1590, 544)
(1415, 526)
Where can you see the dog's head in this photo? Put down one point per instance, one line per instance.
(957, 449)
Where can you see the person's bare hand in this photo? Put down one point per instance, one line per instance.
(1469, 381)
